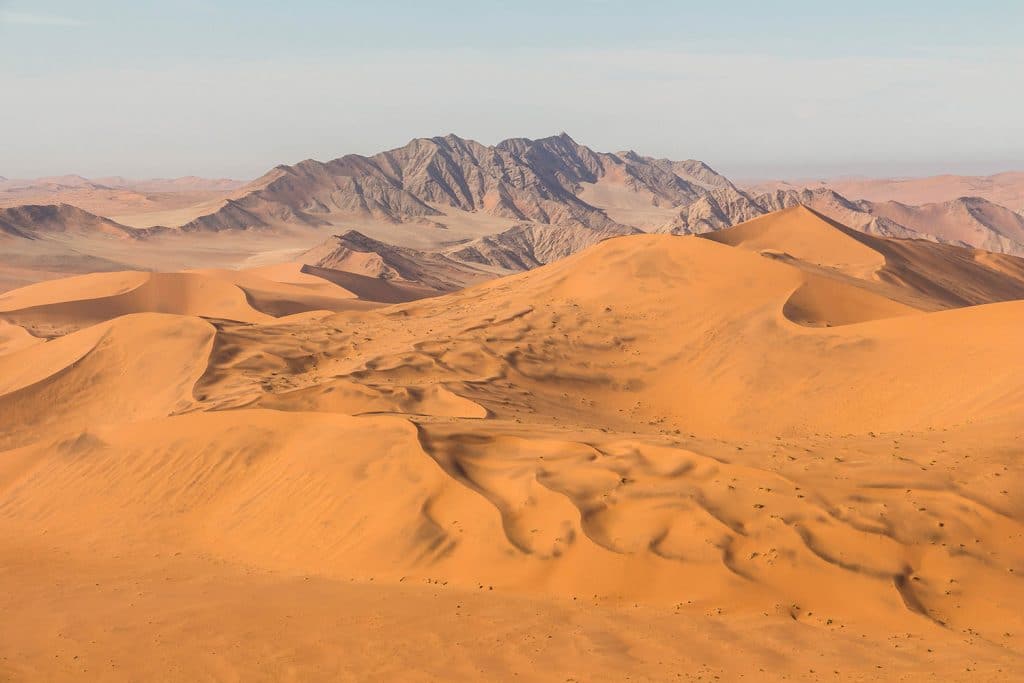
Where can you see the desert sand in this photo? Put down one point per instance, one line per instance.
(790, 451)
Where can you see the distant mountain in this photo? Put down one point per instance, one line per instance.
(354, 252)
(555, 181)
(517, 179)
(718, 208)
(968, 221)
(523, 202)
(697, 173)
(522, 247)
(36, 221)
(45, 241)
(38, 186)
(48, 182)
(858, 215)
(136, 203)
(542, 181)
(182, 184)
(1006, 189)
(965, 220)
(530, 245)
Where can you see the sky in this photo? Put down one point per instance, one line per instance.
(783, 89)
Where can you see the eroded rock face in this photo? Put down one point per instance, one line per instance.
(543, 182)
(542, 200)
(354, 252)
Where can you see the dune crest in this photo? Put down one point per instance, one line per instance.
(260, 295)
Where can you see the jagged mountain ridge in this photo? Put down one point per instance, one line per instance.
(546, 182)
(404, 183)
(354, 252)
(967, 221)
(520, 179)
(530, 245)
(532, 201)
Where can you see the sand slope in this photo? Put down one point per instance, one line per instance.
(56, 307)
(663, 457)
(926, 275)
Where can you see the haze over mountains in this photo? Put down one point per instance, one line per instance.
(1006, 189)
(139, 203)
(556, 181)
(510, 207)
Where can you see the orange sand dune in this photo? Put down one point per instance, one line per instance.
(662, 458)
(925, 275)
(14, 337)
(103, 296)
(58, 306)
(807, 236)
(133, 367)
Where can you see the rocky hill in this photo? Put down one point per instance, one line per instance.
(33, 221)
(529, 245)
(537, 181)
(354, 252)
(556, 181)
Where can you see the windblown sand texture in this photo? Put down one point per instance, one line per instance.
(789, 451)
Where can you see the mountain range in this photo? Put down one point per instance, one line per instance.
(508, 207)
(556, 181)
(1005, 188)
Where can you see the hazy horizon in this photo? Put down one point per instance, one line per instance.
(787, 91)
(748, 173)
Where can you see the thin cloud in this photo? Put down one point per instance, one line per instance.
(30, 19)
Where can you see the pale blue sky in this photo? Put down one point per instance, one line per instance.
(754, 88)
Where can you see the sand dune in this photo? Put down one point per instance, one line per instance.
(55, 307)
(108, 295)
(923, 274)
(806, 236)
(131, 368)
(787, 451)
(14, 337)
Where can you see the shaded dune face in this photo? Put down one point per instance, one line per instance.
(789, 438)
(924, 275)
